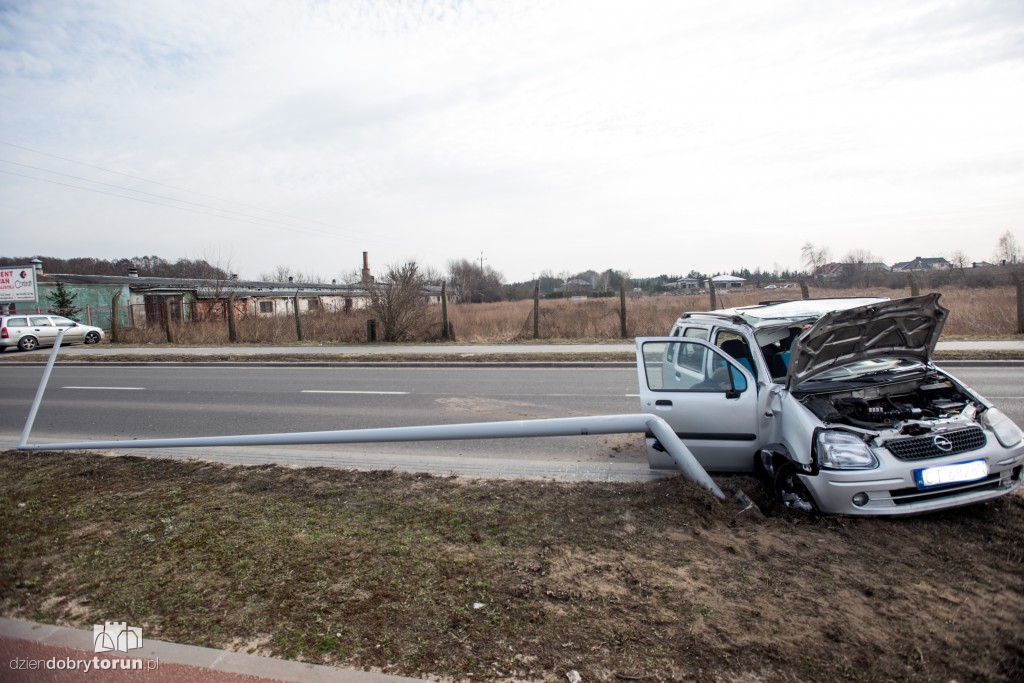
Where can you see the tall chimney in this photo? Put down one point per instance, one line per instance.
(366, 268)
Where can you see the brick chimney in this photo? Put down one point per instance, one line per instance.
(367, 278)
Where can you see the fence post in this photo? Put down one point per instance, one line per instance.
(446, 331)
(371, 330)
(1019, 281)
(805, 293)
(232, 330)
(536, 310)
(165, 311)
(915, 289)
(298, 318)
(622, 308)
(711, 292)
(115, 327)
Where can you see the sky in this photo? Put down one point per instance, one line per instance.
(651, 137)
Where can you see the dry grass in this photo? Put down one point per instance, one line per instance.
(974, 312)
(499, 581)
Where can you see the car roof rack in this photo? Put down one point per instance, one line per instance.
(738, 319)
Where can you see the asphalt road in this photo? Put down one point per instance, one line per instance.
(130, 402)
(127, 402)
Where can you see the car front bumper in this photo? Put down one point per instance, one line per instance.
(892, 488)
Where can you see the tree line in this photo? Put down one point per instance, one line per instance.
(147, 266)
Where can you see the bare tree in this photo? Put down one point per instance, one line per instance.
(286, 274)
(857, 266)
(398, 302)
(814, 257)
(1008, 249)
(472, 284)
(279, 274)
(959, 260)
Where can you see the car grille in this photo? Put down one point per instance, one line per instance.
(920, 447)
(992, 482)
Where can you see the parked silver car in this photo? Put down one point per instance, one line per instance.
(835, 403)
(32, 330)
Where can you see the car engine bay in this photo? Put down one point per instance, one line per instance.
(909, 407)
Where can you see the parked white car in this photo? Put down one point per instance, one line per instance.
(835, 403)
(30, 331)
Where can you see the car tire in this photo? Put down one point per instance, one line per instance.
(791, 493)
(92, 338)
(27, 343)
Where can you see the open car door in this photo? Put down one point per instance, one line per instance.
(705, 395)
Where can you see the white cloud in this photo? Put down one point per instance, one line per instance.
(650, 136)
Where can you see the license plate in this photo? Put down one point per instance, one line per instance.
(943, 475)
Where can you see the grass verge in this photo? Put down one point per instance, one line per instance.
(498, 580)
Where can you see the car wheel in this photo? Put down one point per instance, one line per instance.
(92, 337)
(791, 492)
(28, 343)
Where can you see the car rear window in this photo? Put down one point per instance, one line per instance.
(17, 322)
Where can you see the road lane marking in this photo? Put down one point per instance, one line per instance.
(330, 391)
(109, 388)
(406, 393)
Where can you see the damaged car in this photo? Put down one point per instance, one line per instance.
(835, 403)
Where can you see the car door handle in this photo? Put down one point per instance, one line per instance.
(663, 402)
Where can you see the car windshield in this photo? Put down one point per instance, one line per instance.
(801, 310)
(881, 369)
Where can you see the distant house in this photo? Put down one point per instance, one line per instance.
(684, 284)
(838, 271)
(576, 286)
(921, 263)
(145, 300)
(728, 282)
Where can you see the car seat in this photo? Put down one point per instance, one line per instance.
(741, 353)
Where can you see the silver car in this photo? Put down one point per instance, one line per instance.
(32, 330)
(835, 403)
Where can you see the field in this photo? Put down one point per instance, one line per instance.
(974, 312)
(509, 581)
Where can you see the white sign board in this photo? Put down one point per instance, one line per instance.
(18, 283)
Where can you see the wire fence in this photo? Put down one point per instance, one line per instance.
(986, 312)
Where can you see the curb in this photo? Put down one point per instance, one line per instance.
(963, 363)
(207, 660)
(338, 364)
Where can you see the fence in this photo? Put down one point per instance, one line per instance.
(986, 312)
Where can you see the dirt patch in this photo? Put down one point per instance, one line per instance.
(498, 580)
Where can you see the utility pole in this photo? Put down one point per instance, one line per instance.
(482, 259)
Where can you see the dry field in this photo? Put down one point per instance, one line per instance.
(975, 312)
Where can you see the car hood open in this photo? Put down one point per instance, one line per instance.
(902, 328)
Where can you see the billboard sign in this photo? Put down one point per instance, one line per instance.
(18, 283)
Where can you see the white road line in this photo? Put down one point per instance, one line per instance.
(325, 391)
(109, 388)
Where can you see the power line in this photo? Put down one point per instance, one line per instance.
(157, 182)
(147, 201)
(158, 196)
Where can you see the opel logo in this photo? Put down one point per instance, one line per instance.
(943, 444)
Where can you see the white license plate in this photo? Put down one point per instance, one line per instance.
(942, 475)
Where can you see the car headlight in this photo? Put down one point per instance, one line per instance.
(1003, 427)
(844, 451)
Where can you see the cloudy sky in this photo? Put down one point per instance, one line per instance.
(560, 135)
